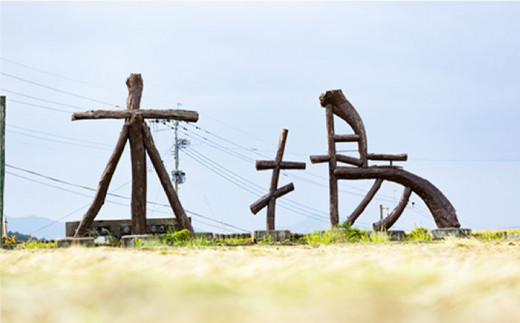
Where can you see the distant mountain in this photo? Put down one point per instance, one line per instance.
(37, 226)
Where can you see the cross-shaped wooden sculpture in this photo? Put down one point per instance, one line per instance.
(141, 141)
(270, 198)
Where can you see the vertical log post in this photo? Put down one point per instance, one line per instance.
(274, 180)
(138, 155)
(2, 163)
(333, 181)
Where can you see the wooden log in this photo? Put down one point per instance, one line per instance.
(443, 212)
(183, 115)
(349, 160)
(134, 84)
(366, 200)
(270, 164)
(346, 138)
(389, 221)
(391, 157)
(99, 199)
(333, 181)
(138, 156)
(274, 179)
(264, 200)
(167, 185)
(346, 111)
(316, 159)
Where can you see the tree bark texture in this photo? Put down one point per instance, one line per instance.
(392, 157)
(271, 207)
(443, 212)
(333, 181)
(173, 199)
(271, 164)
(99, 199)
(390, 220)
(366, 200)
(138, 156)
(264, 200)
(183, 115)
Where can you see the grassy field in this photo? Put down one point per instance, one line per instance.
(449, 281)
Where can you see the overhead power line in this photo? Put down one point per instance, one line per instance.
(58, 90)
(109, 194)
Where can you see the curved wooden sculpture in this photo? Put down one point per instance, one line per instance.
(335, 103)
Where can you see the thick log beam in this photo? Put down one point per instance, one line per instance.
(333, 181)
(366, 200)
(389, 221)
(271, 164)
(167, 185)
(182, 115)
(138, 154)
(101, 193)
(443, 212)
(391, 157)
(264, 200)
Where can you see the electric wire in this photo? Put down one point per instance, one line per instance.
(58, 90)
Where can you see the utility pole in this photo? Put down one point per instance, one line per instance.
(2, 162)
(381, 211)
(178, 176)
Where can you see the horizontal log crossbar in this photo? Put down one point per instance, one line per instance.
(346, 138)
(172, 114)
(390, 157)
(264, 200)
(271, 164)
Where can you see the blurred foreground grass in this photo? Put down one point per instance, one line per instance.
(449, 281)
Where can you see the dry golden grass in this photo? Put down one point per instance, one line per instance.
(450, 281)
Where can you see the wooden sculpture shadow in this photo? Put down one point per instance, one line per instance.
(440, 207)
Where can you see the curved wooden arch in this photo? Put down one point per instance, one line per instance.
(390, 220)
(440, 207)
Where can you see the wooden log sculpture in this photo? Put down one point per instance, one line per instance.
(440, 207)
(274, 192)
(141, 142)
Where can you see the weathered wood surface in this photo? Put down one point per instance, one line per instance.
(344, 109)
(167, 185)
(264, 200)
(316, 159)
(392, 157)
(366, 200)
(271, 164)
(389, 221)
(271, 207)
(349, 160)
(333, 182)
(169, 114)
(101, 192)
(346, 138)
(443, 212)
(138, 157)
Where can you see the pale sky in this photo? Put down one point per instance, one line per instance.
(437, 80)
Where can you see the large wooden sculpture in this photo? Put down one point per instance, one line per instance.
(335, 103)
(274, 192)
(141, 141)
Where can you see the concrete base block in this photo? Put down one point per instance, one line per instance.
(203, 235)
(134, 240)
(396, 235)
(67, 242)
(224, 236)
(442, 233)
(276, 235)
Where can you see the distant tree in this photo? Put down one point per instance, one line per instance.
(21, 236)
